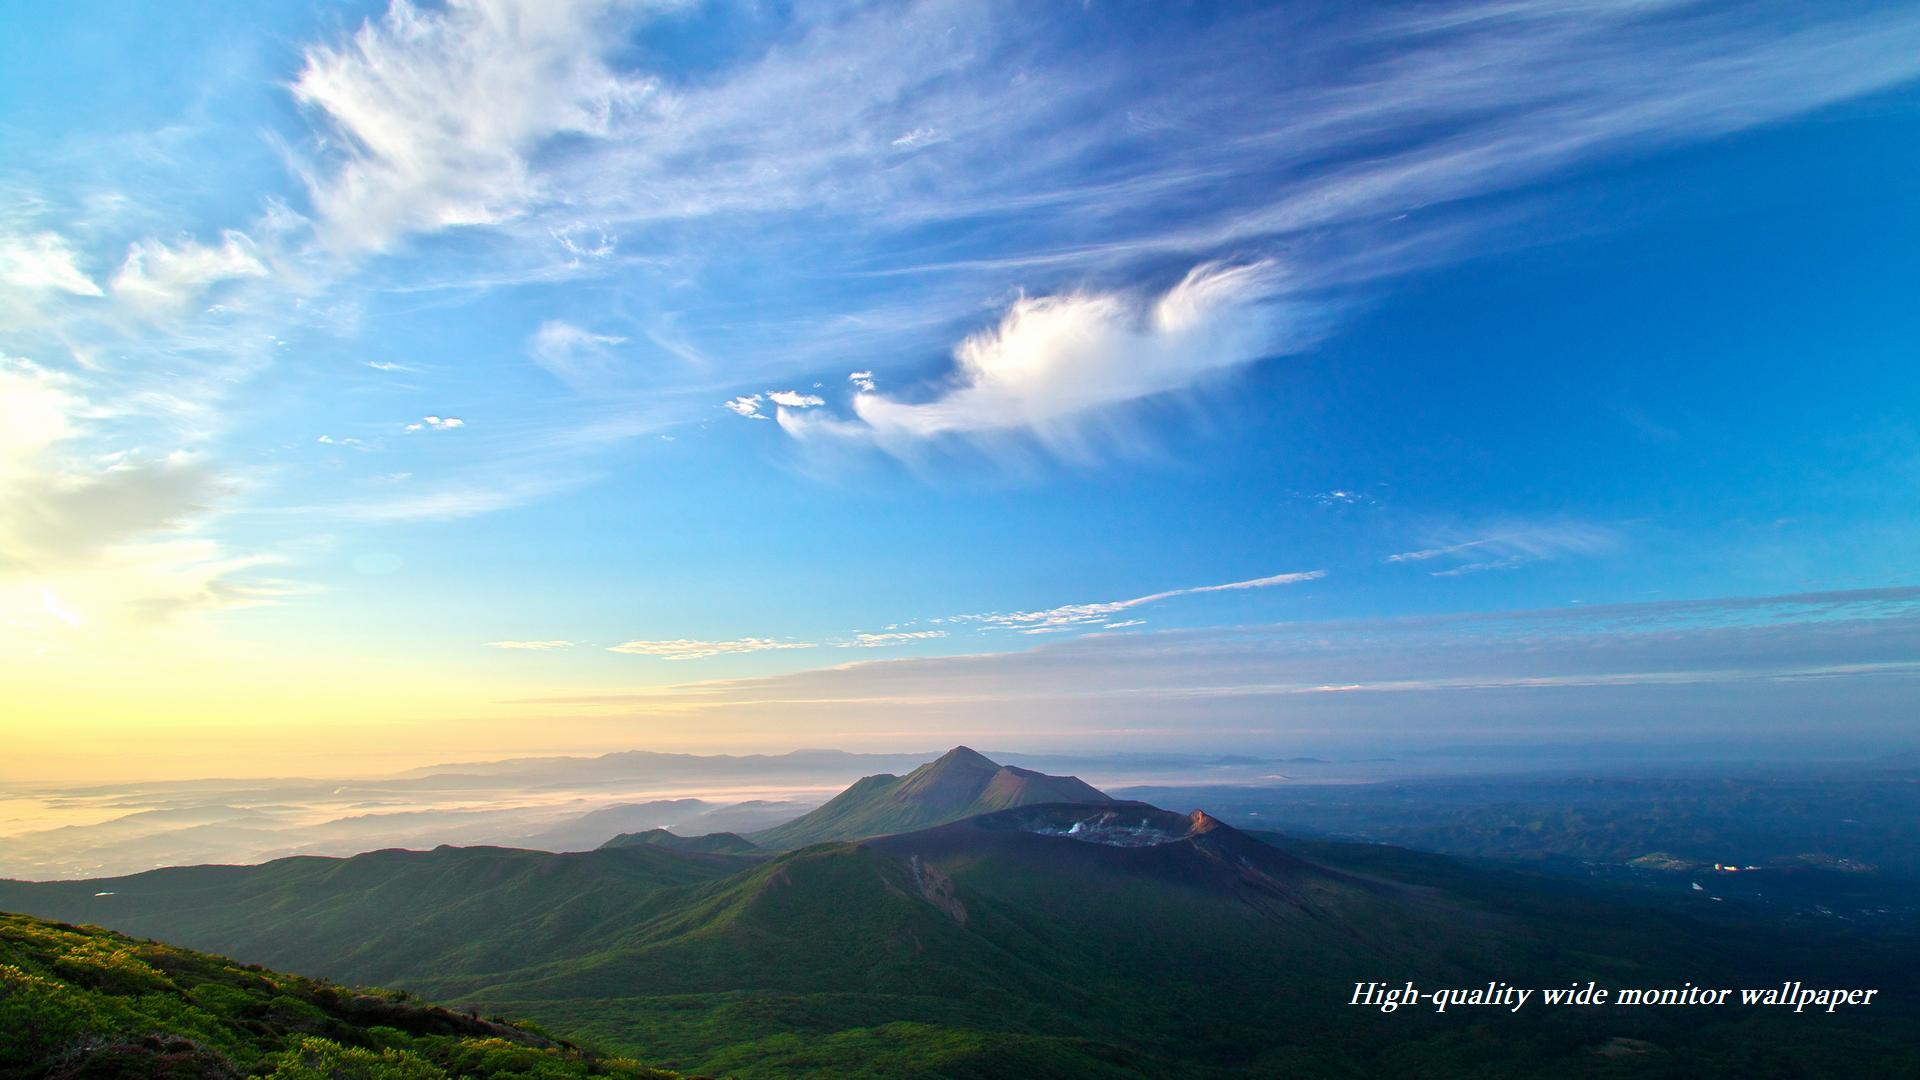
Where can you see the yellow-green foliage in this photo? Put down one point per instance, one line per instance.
(322, 1059)
(110, 967)
(80, 1001)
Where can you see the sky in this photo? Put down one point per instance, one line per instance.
(384, 384)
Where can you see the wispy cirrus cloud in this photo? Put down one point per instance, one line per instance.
(44, 260)
(436, 113)
(1066, 617)
(159, 277)
(691, 649)
(1512, 547)
(505, 116)
(578, 357)
(1677, 671)
(1363, 175)
(891, 638)
(1071, 616)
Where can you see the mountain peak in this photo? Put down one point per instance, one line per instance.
(960, 783)
(964, 756)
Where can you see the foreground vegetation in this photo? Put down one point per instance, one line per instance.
(84, 1002)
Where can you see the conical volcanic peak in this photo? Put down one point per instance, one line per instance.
(959, 784)
(963, 757)
(952, 781)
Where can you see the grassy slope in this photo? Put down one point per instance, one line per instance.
(83, 1002)
(386, 915)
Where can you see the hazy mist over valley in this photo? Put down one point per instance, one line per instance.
(553, 804)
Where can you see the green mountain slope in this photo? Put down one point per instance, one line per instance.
(82, 1002)
(1058, 956)
(1117, 939)
(960, 784)
(720, 843)
(387, 915)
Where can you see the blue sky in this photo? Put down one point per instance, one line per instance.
(555, 352)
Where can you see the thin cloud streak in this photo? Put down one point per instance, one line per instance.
(1512, 548)
(690, 649)
(1067, 616)
(1734, 668)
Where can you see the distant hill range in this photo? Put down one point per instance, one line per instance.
(1014, 924)
(961, 783)
(720, 843)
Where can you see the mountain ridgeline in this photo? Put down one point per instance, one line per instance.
(962, 783)
(720, 843)
(994, 922)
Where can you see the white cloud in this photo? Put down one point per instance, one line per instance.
(794, 399)
(918, 137)
(600, 247)
(887, 640)
(580, 358)
(862, 381)
(435, 113)
(37, 409)
(449, 504)
(685, 649)
(437, 423)
(530, 646)
(387, 365)
(43, 260)
(158, 277)
(747, 405)
(1053, 359)
(1068, 616)
(110, 538)
(1511, 547)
